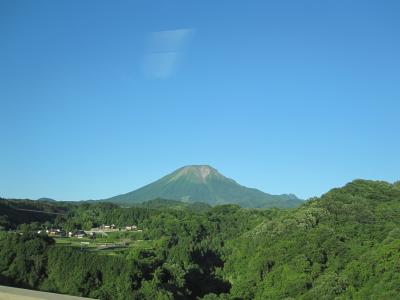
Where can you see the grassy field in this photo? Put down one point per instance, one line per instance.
(115, 243)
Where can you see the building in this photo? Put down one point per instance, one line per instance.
(80, 234)
(55, 232)
(109, 227)
(131, 228)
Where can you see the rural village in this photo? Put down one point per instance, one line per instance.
(106, 236)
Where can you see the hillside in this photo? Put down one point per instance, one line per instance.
(202, 183)
(344, 245)
(23, 211)
(174, 204)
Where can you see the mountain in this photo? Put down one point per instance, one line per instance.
(175, 205)
(202, 183)
(44, 199)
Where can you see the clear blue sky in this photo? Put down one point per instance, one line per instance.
(98, 98)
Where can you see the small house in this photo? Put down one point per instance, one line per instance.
(55, 232)
(109, 227)
(131, 228)
(80, 234)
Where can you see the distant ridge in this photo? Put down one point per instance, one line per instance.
(44, 199)
(203, 183)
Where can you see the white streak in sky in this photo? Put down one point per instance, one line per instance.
(164, 50)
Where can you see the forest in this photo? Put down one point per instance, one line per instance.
(343, 245)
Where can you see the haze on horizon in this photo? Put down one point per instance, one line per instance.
(99, 98)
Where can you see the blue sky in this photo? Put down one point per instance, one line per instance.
(98, 98)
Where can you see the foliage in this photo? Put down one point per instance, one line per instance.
(344, 245)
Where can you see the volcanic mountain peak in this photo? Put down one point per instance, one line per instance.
(199, 172)
(203, 183)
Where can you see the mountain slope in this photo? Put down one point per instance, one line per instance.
(175, 205)
(202, 183)
(343, 245)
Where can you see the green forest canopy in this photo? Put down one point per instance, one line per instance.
(344, 245)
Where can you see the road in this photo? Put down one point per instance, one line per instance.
(10, 293)
(37, 211)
